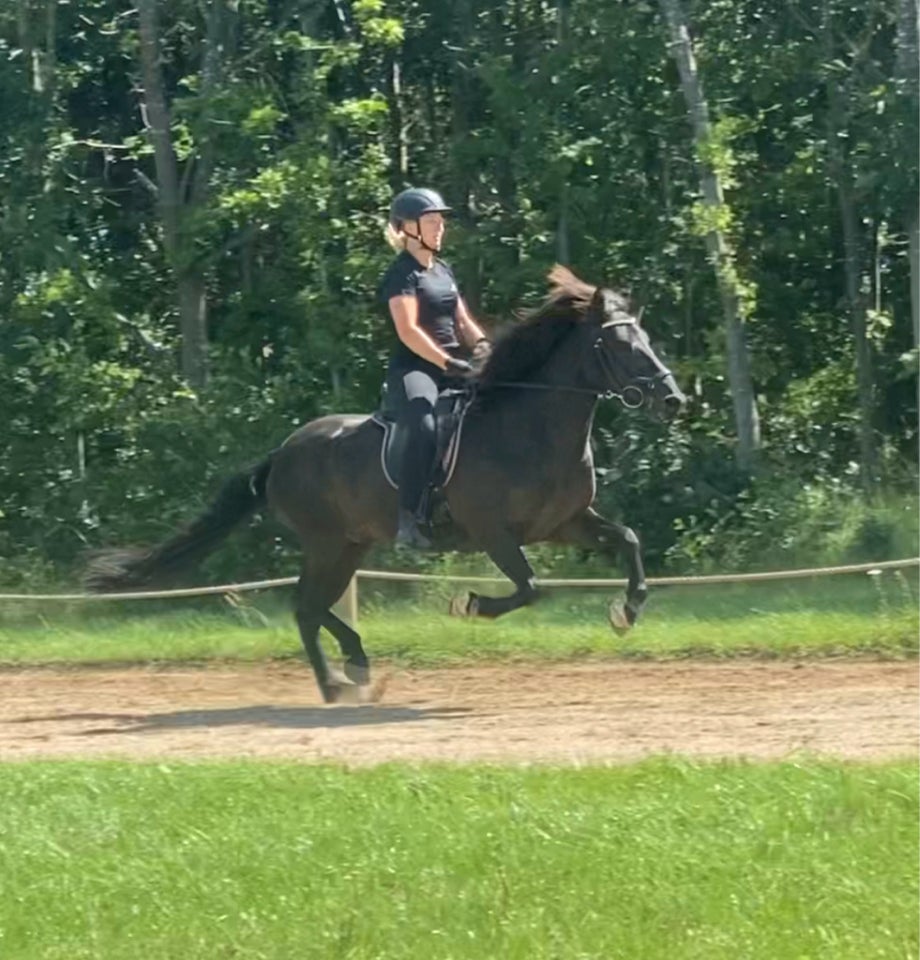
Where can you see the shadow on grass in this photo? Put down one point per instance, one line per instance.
(259, 716)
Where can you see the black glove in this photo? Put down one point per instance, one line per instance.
(481, 352)
(459, 368)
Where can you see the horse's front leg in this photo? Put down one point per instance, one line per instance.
(590, 529)
(507, 555)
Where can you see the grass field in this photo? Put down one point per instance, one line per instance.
(665, 859)
(815, 617)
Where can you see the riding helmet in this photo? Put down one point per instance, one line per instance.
(413, 203)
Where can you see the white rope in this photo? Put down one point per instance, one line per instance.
(231, 588)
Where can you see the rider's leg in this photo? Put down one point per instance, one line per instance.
(421, 394)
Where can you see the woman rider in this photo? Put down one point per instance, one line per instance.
(433, 325)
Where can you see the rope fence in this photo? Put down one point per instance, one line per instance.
(232, 588)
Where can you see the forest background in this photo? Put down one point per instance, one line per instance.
(192, 201)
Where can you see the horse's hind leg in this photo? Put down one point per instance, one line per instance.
(509, 558)
(327, 568)
(339, 574)
(314, 597)
(309, 617)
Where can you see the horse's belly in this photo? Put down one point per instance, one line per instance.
(553, 511)
(532, 506)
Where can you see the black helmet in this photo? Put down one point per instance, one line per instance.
(412, 203)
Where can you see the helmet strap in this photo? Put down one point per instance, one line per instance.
(419, 240)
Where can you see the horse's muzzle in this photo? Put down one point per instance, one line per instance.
(670, 399)
(673, 404)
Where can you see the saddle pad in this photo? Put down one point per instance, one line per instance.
(450, 420)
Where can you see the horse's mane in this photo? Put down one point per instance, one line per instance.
(521, 348)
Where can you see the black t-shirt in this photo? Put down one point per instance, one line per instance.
(436, 291)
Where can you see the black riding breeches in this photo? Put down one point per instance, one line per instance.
(415, 391)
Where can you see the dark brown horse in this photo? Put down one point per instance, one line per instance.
(524, 474)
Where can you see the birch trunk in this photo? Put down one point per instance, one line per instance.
(718, 246)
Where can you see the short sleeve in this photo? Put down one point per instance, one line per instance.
(401, 280)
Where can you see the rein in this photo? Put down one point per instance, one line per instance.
(606, 394)
(632, 396)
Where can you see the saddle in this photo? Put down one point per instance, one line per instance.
(449, 413)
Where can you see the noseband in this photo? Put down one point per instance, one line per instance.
(633, 393)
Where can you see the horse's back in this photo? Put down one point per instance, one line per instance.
(331, 427)
(327, 474)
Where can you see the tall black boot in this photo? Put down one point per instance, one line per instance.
(408, 533)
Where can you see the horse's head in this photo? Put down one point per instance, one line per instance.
(623, 362)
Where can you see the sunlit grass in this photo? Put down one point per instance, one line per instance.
(408, 623)
(666, 859)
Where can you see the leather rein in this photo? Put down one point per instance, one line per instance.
(633, 395)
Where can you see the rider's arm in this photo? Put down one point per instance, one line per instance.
(404, 310)
(470, 331)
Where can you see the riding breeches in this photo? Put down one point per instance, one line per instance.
(415, 391)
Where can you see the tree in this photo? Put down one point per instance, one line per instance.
(908, 77)
(719, 246)
(179, 199)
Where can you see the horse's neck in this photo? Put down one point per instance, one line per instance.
(569, 409)
(557, 399)
(567, 417)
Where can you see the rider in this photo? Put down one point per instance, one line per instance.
(433, 324)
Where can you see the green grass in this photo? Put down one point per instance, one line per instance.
(665, 859)
(844, 615)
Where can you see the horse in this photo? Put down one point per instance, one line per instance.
(524, 474)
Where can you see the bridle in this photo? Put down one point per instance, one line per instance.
(634, 388)
(632, 395)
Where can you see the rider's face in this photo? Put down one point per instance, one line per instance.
(431, 229)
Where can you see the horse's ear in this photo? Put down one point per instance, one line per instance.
(599, 301)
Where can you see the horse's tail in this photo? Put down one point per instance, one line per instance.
(124, 569)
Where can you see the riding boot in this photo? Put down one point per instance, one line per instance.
(408, 533)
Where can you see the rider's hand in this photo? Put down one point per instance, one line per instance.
(459, 368)
(481, 352)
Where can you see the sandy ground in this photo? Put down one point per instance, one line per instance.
(558, 713)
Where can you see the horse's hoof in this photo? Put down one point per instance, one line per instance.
(358, 673)
(336, 678)
(618, 617)
(467, 606)
(359, 695)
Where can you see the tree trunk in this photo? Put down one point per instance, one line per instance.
(41, 58)
(193, 311)
(399, 138)
(908, 55)
(913, 237)
(505, 173)
(462, 173)
(854, 258)
(190, 283)
(907, 72)
(563, 247)
(718, 247)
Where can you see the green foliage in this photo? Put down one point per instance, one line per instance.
(537, 135)
(780, 524)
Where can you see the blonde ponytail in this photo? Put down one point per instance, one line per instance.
(395, 238)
